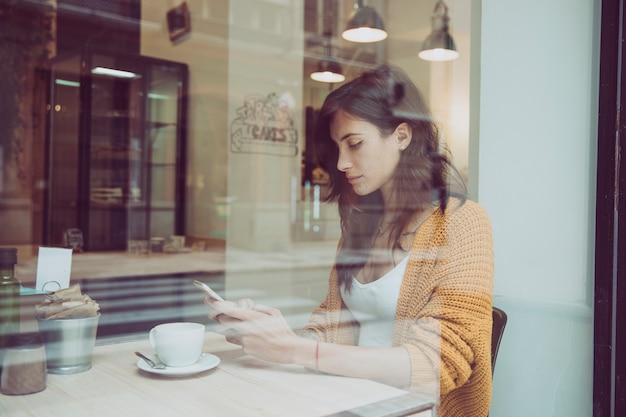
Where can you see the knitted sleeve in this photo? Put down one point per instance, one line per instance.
(444, 309)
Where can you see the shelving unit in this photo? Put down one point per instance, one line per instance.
(117, 144)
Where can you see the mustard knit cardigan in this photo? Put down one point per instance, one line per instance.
(443, 317)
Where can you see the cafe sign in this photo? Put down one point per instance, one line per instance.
(265, 125)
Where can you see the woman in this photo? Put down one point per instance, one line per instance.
(409, 297)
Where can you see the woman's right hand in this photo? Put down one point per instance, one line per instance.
(218, 311)
(222, 307)
(261, 330)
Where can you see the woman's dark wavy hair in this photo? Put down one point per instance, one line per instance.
(384, 97)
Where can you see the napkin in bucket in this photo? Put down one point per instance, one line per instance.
(67, 303)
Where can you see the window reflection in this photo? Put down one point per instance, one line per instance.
(255, 224)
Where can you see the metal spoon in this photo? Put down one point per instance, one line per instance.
(153, 364)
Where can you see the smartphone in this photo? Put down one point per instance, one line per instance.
(212, 294)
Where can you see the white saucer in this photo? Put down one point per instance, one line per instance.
(207, 361)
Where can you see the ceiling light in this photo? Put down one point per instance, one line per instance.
(67, 83)
(439, 45)
(113, 72)
(328, 69)
(365, 25)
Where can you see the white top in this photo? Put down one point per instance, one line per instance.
(374, 306)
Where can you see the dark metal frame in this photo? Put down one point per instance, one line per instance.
(609, 398)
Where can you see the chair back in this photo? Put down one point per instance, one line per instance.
(499, 323)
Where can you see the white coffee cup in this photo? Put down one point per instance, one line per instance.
(178, 344)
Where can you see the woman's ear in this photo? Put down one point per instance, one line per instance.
(403, 134)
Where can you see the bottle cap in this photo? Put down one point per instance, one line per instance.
(8, 256)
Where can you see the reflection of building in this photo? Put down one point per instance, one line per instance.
(260, 111)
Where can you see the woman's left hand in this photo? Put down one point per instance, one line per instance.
(261, 330)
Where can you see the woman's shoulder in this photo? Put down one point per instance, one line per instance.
(464, 212)
(460, 207)
(463, 220)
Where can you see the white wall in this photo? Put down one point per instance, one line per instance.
(205, 50)
(536, 177)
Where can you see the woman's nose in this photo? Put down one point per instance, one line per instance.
(343, 163)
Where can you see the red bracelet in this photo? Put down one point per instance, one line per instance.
(317, 356)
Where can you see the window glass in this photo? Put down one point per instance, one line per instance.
(196, 160)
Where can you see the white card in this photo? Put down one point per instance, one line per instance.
(53, 269)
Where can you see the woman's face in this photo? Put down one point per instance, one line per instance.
(367, 158)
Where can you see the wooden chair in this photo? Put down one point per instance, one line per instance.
(499, 323)
(497, 330)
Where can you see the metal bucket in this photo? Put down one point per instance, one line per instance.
(69, 343)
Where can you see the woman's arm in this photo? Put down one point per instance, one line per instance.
(263, 333)
(390, 366)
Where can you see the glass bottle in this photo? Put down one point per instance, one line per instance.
(9, 298)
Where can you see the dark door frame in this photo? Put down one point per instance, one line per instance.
(609, 398)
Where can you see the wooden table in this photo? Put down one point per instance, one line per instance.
(240, 386)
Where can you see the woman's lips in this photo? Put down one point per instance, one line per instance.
(352, 180)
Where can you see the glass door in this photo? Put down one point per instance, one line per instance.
(63, 133)
(162, 130)
(116, 181)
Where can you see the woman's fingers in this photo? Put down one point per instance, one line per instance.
(272, 311)
(217, 308)
(213, 314)
(245, 303)
(247, 311)
(233, 336)
(227, 307)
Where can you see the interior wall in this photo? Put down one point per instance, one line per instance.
(205, 50)
(445, 85)
(536, 178)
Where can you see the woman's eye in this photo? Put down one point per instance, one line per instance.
(356, 144)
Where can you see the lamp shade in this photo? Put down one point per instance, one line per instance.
(439, 45)
(328, 71)
(365, 26)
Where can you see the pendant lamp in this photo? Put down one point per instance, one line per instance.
(439, 45)
(365, 25)
(328, 69)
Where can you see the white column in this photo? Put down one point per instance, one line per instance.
(265, 121)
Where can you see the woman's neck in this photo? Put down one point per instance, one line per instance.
(388, 247)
